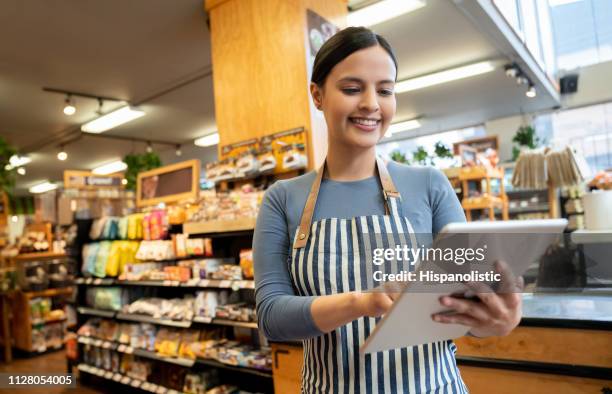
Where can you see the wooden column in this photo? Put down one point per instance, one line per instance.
(260, 70)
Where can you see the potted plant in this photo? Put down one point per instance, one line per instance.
(137, 163)
(525, 137)
(399, 157)
(7, 173)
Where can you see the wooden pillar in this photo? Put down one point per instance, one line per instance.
(261, 71)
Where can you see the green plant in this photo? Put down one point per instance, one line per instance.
(399, 157)
(421, 156)
(442, 151)
(137, 163)
(525, 137)
(7, 174)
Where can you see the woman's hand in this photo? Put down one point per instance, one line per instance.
(377, 302)
(494, 314)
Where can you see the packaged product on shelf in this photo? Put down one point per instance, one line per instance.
(146, 229)
(124, 333)
(110, 298)
(145, 306)
(167, 342)
(135, 368)
(294, 157)
(200, 382)
(177, 273)
(178, 309)
(97, 228)
(134, 226)
(155, 250)
(39, 343)
(228, 272)
(247, 165)
(267, 161)
(239, 312)
(206, 303)
(90, 253)
(176, 214)
(188, 339)
(158, 223)
(223, 389)
(246, 263)
(122, 228)
(140, 271)
(194, 246)
(179, 242)
(204, 268)
(101, 259)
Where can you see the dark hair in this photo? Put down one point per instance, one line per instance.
(341, 45)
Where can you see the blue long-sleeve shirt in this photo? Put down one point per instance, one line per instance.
(428, 200)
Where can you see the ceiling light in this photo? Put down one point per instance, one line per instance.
(522, 80)
(112, 119)
(208, 140)
(382, 11)
(402, 126)
(531, 92)
(69, 109)
(21, 171)
(17, 161)
(14, 219)
(178, 152)
(42, 187)
(110, 168)
(512, 71)
(124, 181)
(62, 155)
(444, 76)
(149, 148)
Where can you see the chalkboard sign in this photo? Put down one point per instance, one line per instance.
(169, 184)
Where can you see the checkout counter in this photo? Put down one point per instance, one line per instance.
(562, 345)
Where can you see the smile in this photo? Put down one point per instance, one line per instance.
(365, 123)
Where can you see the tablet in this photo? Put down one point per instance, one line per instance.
(408, 323)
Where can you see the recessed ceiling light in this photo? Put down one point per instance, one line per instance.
(208, 140)
(112, 119)
(110, 168)
(17, 161)
(382, 11)
(21, 171)
(402, 126)
(43, 187)
(69, 109)
(437, 78)
(531, 92)
(62, 155)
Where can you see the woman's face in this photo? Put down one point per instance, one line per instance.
(357, 99)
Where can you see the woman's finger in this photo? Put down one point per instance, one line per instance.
(508, 279)
(475, 309)
(456, 318)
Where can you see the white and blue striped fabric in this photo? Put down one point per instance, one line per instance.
(337, 258)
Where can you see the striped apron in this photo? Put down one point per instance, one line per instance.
(334, 256)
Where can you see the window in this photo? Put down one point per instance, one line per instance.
(409, 146)
(589, 129)
(582, 32)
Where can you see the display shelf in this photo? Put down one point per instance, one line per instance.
(185, 362)
(476, 173)
(481, 203)
(197, 283)
(37, 322)
(591, 236)
(39, 256)
(219, 226)
(153, 320)
(225, 322)
(49, 292)
(83, 310)
(125, 380)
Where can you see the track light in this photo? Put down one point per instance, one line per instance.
(69, 108)
(512, 71)
(21, 171)
(62, 155)
(522, 80)
(179, 152)
(531, 92)
(149, 147)
(208, 140)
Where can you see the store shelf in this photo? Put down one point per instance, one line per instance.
(482, 203)
(219, 226)
(225, 322)
(476, 173)
(591, 236)
(153, 320)
(197, 283)
(249, 370)
(185, 362)
(43, 321)
(96, 312)
(125, 380)
(39, 256)
(49, 292)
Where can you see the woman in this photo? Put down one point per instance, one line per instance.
(311, 233)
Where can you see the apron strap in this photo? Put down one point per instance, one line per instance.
(390, 194)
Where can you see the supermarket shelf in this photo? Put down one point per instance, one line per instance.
(185, 362)
(476, 173)
(43, 321)
(482, 203)
(95, 312)
(225, 322)
(219, 226)
(49, 292)
(591, 236)
(218, 364)
(125, 380)
(529, 209)
(39, 256)
(153, 320)
(197, 283)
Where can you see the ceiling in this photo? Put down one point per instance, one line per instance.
(156, 53)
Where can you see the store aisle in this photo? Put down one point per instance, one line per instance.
(54, 362)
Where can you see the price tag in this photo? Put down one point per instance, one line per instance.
(136, 383)
(205, 283)
(88, 281)
(192, 282)
(225, 283)
(121, 348)
(203, 319)
(152, 387)
(161, 390)
(167, 283)
(98, 342)
(129, 350)
(236, 285)
(97, 281)
(145, 386)
(116, 377)
(99, 372)
(250, 284)
(176, 283)
(108, 375)
(107, 345)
